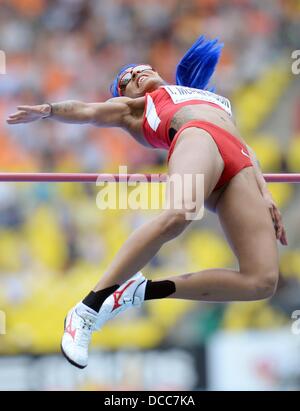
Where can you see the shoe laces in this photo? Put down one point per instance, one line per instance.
(84, 332)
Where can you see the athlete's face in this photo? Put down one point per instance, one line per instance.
(137, 81)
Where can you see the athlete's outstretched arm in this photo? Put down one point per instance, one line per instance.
(107, 114)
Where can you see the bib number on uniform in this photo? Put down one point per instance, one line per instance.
(180, 94)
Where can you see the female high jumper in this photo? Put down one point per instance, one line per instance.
(196, 126)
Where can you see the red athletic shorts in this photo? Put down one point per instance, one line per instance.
(235, 154)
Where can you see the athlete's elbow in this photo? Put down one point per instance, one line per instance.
(100, 118)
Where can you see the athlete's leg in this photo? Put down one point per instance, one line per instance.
(247, 224)
(195, 153)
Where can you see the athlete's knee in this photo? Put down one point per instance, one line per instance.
(174, 223)
(264, 284)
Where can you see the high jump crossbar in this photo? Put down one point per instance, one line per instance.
(118, 178)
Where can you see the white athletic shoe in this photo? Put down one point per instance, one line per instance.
(129, 294)
(77, 336)
(81, 322)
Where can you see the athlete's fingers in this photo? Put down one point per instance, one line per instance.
(19, 120)
(274, 219)
(272, 213)
(278, 222)
(17, 114)
(277, 213)
(280, 230)
(283, 239)
(13, 115)
(16, 117)
(15, 121)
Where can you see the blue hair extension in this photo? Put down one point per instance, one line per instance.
(114, 85)
(195, 68)
(199, 63)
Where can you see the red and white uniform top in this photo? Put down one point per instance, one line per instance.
(163, 103)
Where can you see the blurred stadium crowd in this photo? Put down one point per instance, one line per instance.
(54, 241)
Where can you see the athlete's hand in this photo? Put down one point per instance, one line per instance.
(27, 114)
(276, 217)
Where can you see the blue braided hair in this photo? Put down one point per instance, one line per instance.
(195, 68)
(199, 63)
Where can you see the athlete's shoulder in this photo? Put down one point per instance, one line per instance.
(119, 100)
(127, 100)
(132, 104)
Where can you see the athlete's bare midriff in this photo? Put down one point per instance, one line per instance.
(207, 113)
(201, 112)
